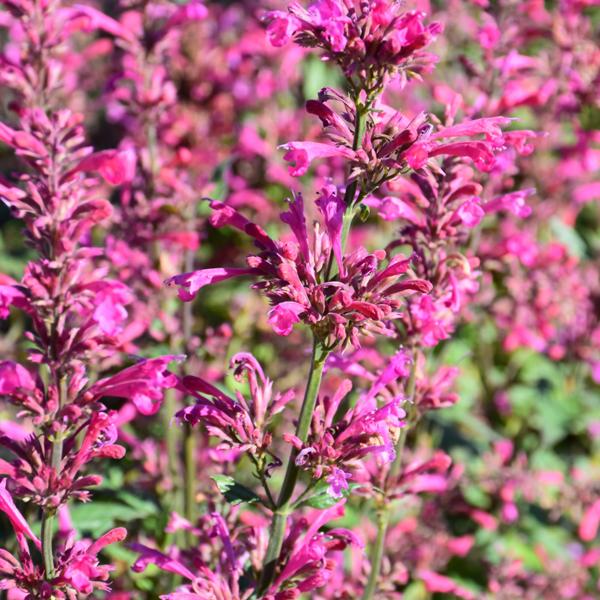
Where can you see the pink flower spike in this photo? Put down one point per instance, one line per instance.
(18, 522)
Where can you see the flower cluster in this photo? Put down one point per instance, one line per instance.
(369, 41)
(392, 390)
(76, 313)
(240, 425)
(295, 275)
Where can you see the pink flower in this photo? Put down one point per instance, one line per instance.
(20, 526)
(434, 582)
(143, 383)
(513, 202)
(91, 18)
(239, 423)
(334, 446)
(192, 11)
(588, 526)
(470, 213)
(11, 295)
(510, 512)
(489, 35)
(281, 27)
(284, 316)
(359, 299)
(333, 208)
(190, 284)
(479, 151)
(79, 565)
(301, 154)
(116, 166)
(15, 378)
(306, 566)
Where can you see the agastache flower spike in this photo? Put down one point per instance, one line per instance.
(241, 425)
(362, 299)
(334, 448)
(369, 41)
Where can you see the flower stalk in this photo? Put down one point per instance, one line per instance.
(280, 516)
(49, 514)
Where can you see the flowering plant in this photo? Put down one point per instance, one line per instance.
(305, 303)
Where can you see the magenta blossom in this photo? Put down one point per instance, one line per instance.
(335, 447)
(365, 40)
(296, 276)
(143, 383)
(240, 424)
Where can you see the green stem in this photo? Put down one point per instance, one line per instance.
(276, 537)
(278, 524)
(172, 439)
(383, 519)
(189, 439)
(189, 457)
(360, 125)
(49, 514)
(306, 413)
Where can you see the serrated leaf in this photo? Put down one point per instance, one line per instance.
(234, 492)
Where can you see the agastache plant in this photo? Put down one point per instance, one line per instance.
(75, 312)
(366, 232)
(346, 297)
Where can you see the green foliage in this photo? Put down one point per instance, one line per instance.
(234, 492)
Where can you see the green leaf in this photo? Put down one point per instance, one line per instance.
(234, 492)
(476, 496)
(100, 516)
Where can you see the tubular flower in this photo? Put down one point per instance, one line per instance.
(393, 144)
(308, 562)
(369, 41)
(240, 424)
(216, 538)
(296, 276)
(335, 447)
